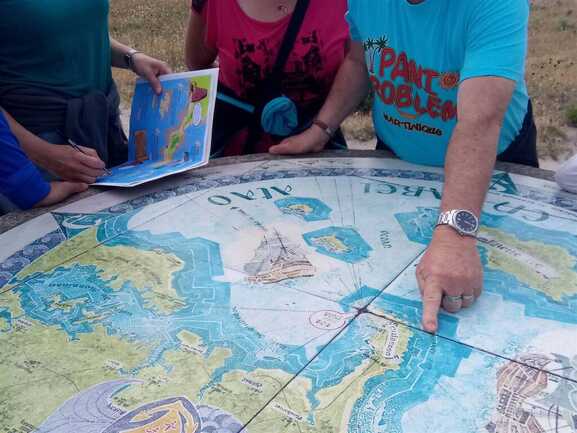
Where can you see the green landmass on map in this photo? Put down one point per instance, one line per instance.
(45, 367)
(150, 271)
(62, 253)
(546, 268)
(292, 407)
(239, 392)
(189, 371)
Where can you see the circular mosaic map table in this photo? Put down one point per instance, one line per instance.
(279, 296)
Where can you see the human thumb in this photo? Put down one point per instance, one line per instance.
(285, 147)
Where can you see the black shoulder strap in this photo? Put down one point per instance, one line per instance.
(269, 88)
(290, 37)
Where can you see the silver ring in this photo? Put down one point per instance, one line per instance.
(453, 299)
(468, 298)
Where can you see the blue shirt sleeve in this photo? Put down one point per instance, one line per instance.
(20, 180)
(355, 34)
(496, 42)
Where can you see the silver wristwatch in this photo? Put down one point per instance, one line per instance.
(128, 58)
(462, 221)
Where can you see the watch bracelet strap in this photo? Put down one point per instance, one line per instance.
(325, 128)
(444, 218)
(129, 58)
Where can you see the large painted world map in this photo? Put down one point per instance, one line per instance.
(280, 296)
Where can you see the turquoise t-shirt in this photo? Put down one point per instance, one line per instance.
(61, 45)
(418, 54)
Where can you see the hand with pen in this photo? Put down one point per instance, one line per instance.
(72, 163)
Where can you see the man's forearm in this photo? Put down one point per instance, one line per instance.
(350, 87)
(472, 151)
(469, 165)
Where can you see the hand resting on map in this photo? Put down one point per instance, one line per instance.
(450, 267)
(311, 140)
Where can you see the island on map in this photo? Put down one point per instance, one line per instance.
(341, 243)
(309, 209)
(549, 269)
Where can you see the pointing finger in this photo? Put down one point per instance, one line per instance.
(420, 279)
(432, 298)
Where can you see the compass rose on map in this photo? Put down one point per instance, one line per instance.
(93, 409)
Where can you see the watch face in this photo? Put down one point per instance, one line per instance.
(466, 221)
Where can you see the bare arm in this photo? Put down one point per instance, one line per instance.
(350, 87)
(452, 266)
(144, 66)
(472, 151)
(198, 54)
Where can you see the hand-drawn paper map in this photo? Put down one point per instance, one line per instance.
(280, 296)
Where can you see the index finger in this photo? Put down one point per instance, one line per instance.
(432, 299)
(90, 161)
(154, 82)
(164, 69)
(88, 151)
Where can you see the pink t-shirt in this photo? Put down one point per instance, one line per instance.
(247, 49)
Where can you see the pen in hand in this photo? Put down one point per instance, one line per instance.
(79, 149)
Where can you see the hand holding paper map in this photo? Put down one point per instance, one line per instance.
(169, 133)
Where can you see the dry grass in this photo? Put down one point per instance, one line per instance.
(552, 72)
(154, 26)
(157, 27)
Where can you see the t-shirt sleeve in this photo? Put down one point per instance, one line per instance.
(496, 42)
(20, 180)
(351, 20)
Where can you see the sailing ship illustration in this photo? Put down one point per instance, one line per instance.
(277, 259)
